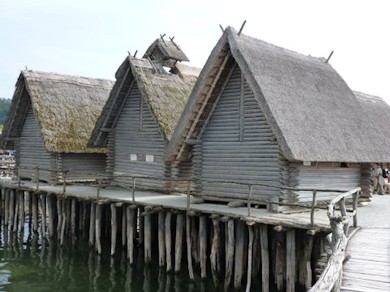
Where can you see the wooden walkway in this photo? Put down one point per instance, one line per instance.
(368, 268)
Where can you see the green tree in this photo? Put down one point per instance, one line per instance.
(5, 104)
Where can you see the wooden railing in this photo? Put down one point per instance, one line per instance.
(103, 181)
(330, 279)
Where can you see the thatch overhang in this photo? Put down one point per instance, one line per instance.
(66, 109)
(376, 110)
(165, 93)
(312, 112)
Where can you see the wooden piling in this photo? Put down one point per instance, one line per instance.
(49, 207)
(214, 254)
(168, 240)
(250, 256)
(290, 261)
(92, 222)
(229, 254)
(124, 229)
(63, 221)
(161, 238)
(11, 209)
(59, 218)
(189, 245)
(42, 207)
(203, 245)
(113, 228)
(305, 271)
(130, 215)
(264, 258)
(279, 245)
(179, 241)
(73, 211)
(98, 228)
(16, 215)
(147, 238)
(21, 209)
(239, 254)
(6, 207)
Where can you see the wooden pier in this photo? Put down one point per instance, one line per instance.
(236, 246)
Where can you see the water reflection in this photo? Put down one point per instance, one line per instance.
(28, 263)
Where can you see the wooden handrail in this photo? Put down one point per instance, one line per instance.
(330, 279)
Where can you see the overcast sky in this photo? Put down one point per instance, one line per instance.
(92, 37)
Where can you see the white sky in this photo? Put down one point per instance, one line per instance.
(92, 37)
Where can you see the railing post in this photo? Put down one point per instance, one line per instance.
(99, 186)
(249, 200)
(19, 177)
(355, 204)
(313, 204)
(37, 174)
(64, 183)
(133, 191)
(188, 195)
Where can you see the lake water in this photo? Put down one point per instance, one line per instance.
(27, 264)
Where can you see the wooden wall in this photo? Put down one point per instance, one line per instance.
(237, 145)
(137, 139)
(32, 152)
(83, 166)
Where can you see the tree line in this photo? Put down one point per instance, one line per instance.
(5, 104)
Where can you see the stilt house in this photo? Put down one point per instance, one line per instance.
(264, 114)
(141, 114)
(50, 122)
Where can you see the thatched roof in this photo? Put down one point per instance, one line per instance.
(312, 112)
(66, 109)
(168, 48)
(376, 110)
(165, 93)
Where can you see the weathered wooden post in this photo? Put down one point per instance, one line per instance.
(148, 238)
(188, 239)
(179, 241)
(130, 216)
(265, 266)
(250, 255)
(113, 228)
(98, 227)
(203, 245)
(290, 261)
(229, 253)
(239, 254)
(161, 238)
(214, 255)
(168, 240)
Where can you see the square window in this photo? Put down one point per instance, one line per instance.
(133, 157)
(149, 158)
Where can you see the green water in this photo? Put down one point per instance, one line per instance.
(29, 264)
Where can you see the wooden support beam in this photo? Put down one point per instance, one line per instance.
(203, 246)
(161, 238)
(265, 266)
(189, 247)
(214, 255)
(98, 228)
(179, 241)
(130, 225)
(50, 213)
(73, 210)
(239, 254)
(114, 227)
(290, 261)
(250, 256)
(147, 238)
(92, 222)
(168, 240)
(229, 254)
